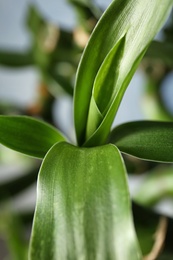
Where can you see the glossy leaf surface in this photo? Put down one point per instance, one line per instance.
(28, 135)
(83, 207)
(130, 18)
(149, 140)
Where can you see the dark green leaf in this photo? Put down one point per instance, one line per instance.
(83, 207)
(149, 140)
(162, 51)
(15, 59)
(28, 135)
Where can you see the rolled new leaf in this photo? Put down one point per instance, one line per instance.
(131, 18)
(28, 135)
(148, 140)
(83, 207)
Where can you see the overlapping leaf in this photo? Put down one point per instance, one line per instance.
(130, 18)
(149, 140)
(28, 135)
(83, 207)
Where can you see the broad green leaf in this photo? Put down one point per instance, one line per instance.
(83, 207)
(148, 140)
(28, 135)
(139, 21)
(156, 185)
(15, 59)
(162, 51)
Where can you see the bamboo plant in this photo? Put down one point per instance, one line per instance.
(83, 208)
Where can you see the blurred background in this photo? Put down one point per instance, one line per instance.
(40, 47)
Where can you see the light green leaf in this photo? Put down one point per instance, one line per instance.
(83, 207)
(28, 135)
(100, 136)
(149, 140)
(102, 95)
(139, 21)
(156, 185)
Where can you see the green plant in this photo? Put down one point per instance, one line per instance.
(83, 206)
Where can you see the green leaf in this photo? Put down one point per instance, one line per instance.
(101, 97)
(162, 51)
(34, 20)
(148, 140)
(28, 135)
(83, 207)
(100, 136)
(16, 59)
(156, 185)
(139, 21)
